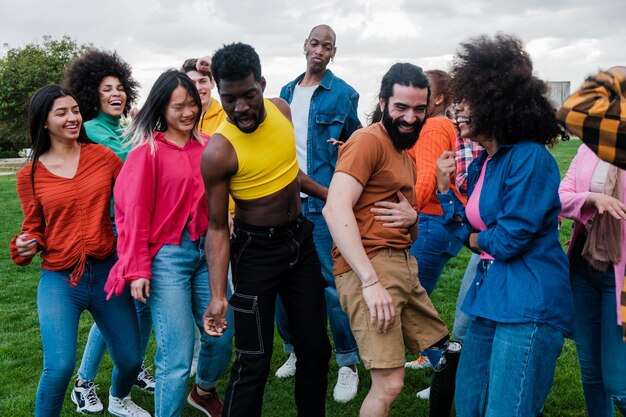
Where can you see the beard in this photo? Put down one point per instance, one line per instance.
(401, 140)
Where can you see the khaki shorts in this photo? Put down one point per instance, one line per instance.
(417, 325)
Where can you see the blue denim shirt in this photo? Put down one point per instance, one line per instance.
(519, 203)
(332, 114)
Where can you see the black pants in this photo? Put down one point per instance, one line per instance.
(266, 262)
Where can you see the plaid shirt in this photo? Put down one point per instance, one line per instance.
(596, 113)
(466, 151)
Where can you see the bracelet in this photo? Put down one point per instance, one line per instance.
(369, 285)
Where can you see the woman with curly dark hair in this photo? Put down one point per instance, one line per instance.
(520, 301)
(105, 90)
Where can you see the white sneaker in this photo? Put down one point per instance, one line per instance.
(347, 385)
(86, 398)
(423, 394)
(124, 407)
(145, 381)
(289, 367)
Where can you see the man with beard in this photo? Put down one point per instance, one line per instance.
(252, 156)
(375, 276)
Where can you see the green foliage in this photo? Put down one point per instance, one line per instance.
(23, 70)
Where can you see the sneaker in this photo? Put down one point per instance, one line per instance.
(421, 362)
(289, 367)
(124, 407)
(423, 394)
(145, 381)
(86, 398)
(347, 385)
(208, 403)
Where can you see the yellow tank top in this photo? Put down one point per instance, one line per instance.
(266, 157)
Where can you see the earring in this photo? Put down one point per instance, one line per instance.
(332, 60)
(304, 52)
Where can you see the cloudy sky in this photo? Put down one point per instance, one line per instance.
(567, 39)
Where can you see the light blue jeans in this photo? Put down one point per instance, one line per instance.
(179, 296)
(506, 369)
(346, 349)
(601, 350)
(462, 320)
(59, 307)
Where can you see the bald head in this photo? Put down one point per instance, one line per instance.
(324, 27)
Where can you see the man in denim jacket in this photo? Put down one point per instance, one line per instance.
(323, 107)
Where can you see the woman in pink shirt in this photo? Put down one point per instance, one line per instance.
(162, 218)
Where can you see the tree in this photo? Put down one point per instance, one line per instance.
(22, 72)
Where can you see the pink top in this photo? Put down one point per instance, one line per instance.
(156, 197)
(472, 211)
(573, 191)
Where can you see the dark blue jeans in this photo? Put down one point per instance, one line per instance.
(59, 307)
(267, 262)
(601, 350)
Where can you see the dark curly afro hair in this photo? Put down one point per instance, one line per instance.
(235, 62)
(84, 74)
(495, 77)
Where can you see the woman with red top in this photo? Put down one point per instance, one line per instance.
(64, 191)
(162, 216)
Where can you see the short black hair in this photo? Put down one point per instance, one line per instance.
(85, 73)
(235, 62)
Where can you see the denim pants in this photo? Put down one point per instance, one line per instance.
(601, 350)
(346, 349)
(506, 369)
(267, 262)
(59, 307)
(462, 320)
(179, 297)
(432, 249)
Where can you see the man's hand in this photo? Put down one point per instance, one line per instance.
(26, 248)
(215, 317)
(446, 168)
(380, 305)
(396, 215)
(140, 289)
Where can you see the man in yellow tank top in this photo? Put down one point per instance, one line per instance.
(252, 156)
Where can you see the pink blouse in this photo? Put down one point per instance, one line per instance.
(472, 212)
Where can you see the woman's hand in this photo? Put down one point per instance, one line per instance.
(335, 142)
(446, 168)
(140, 289)
(606, 204)
(26, 248)
(397, 215)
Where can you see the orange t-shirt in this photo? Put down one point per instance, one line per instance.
(437, 135)
(69, 217)
(372, 159)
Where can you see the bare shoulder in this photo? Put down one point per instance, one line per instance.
(220, 156)
(282, 105)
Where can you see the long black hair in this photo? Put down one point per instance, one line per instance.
(39, 107)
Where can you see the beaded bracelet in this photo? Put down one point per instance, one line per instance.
(369, 285)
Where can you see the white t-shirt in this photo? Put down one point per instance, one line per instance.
(300, 106)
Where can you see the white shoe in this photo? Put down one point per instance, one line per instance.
(289, 367)
(124, 407)
(347, 385)
(86, 398)
(423, 394)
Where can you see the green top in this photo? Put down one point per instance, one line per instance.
(107, 130)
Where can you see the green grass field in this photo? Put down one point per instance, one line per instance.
(21, 354)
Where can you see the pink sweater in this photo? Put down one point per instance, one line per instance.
(156, 197)
(573, 191)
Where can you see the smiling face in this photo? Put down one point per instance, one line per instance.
(181, 111)
(112, 96)
(319, 48)
(64, 120)
(203, 85)
(242, 101)
(404, 113)
(463, 119)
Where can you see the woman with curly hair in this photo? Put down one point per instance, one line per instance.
(105, 90)
(520, 301)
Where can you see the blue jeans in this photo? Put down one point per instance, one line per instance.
(346, 349)
(179, 296)
(59, 307)
(506, 369)
(462, 320)
(601, 350)
(432, 249)
(96, 346)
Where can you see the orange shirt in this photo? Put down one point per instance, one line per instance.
(438, 135)
(69, 217)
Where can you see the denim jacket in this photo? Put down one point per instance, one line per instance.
(529, 279)
(332, 114)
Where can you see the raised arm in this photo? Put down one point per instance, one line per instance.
(219, 163)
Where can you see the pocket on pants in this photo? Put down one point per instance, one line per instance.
(248, 331)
